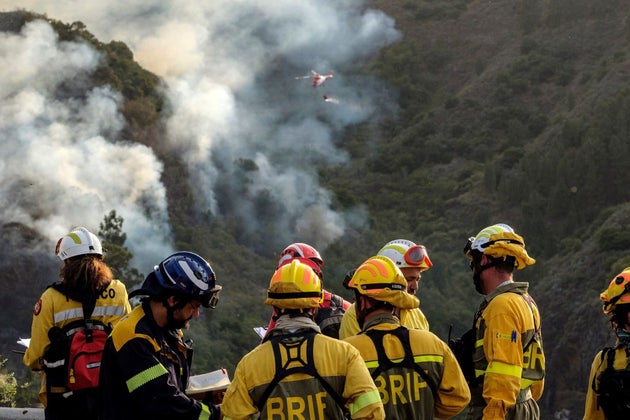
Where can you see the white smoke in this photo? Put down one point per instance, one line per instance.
(251, 133)
(62, 165)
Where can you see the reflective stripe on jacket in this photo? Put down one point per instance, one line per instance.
(506, 325)
(403, 391)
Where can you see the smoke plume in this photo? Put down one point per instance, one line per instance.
(251, 133)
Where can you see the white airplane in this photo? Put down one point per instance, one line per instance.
(318, 79)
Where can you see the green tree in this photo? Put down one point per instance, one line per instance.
(8, 386)
(118, 257)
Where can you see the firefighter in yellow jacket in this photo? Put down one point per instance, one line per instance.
(412, 260)
(415, 372)
(297, 372)
(607, 396)
(83, 274)
(508, 358)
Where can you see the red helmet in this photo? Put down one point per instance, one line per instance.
(316, 268)
(300, 250)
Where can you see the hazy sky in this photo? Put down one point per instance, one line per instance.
(230, 70)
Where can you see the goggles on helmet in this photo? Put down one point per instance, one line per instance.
(210, 300)
(468, 247)
(417, 255)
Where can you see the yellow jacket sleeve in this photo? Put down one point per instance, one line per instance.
(349, 324)
(43, 320)
(504, 352)
(591, 411)
(237, 403)
(414, 319)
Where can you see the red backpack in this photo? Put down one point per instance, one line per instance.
(74, 357)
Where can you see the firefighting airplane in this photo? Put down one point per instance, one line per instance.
(318, 79)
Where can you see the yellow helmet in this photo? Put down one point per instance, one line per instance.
(618, 291)
(380, 279)
(499, 241)
(294, 286)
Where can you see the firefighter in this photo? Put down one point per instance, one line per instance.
(333, 306)
(412, 260)
(297, 372)
(85, 276)
(507, 353)
(146, 362)
(609, 382)
(415, 372)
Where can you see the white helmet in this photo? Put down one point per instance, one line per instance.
(405, 253)
(78, 242)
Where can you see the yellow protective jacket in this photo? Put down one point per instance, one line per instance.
(405, 394)
(55, 309)
(413, 319)
(621, 362)
(508, 357)
(300, 395)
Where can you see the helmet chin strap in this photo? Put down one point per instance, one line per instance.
(363, 312)
(478, 269)
(171, 322)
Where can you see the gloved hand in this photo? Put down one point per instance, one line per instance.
(215, 411)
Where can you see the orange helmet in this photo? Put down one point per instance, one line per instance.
(300, 250)
(380, 279)
(295, 286)
(618, 291)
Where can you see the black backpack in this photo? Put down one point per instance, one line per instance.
(328, 317)
(613, 393)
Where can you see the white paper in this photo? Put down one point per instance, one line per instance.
(24, 342)
(211, 381)
(261, 331)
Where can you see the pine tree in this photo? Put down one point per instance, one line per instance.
(117, 256)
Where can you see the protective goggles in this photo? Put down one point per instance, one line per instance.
(468, 246)
(417, 256)
(210, 299)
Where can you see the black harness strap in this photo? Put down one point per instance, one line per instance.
(609, 354)
(385, 363)
(306, 366)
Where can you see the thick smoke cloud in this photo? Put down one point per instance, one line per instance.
(250, 132)
(61, 163)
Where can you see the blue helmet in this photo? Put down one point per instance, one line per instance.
(183, 274)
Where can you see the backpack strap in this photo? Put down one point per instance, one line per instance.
(385, 363)
(88, 302)
(306, 366)
(608, 353)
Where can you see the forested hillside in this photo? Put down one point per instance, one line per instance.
(505, 111)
